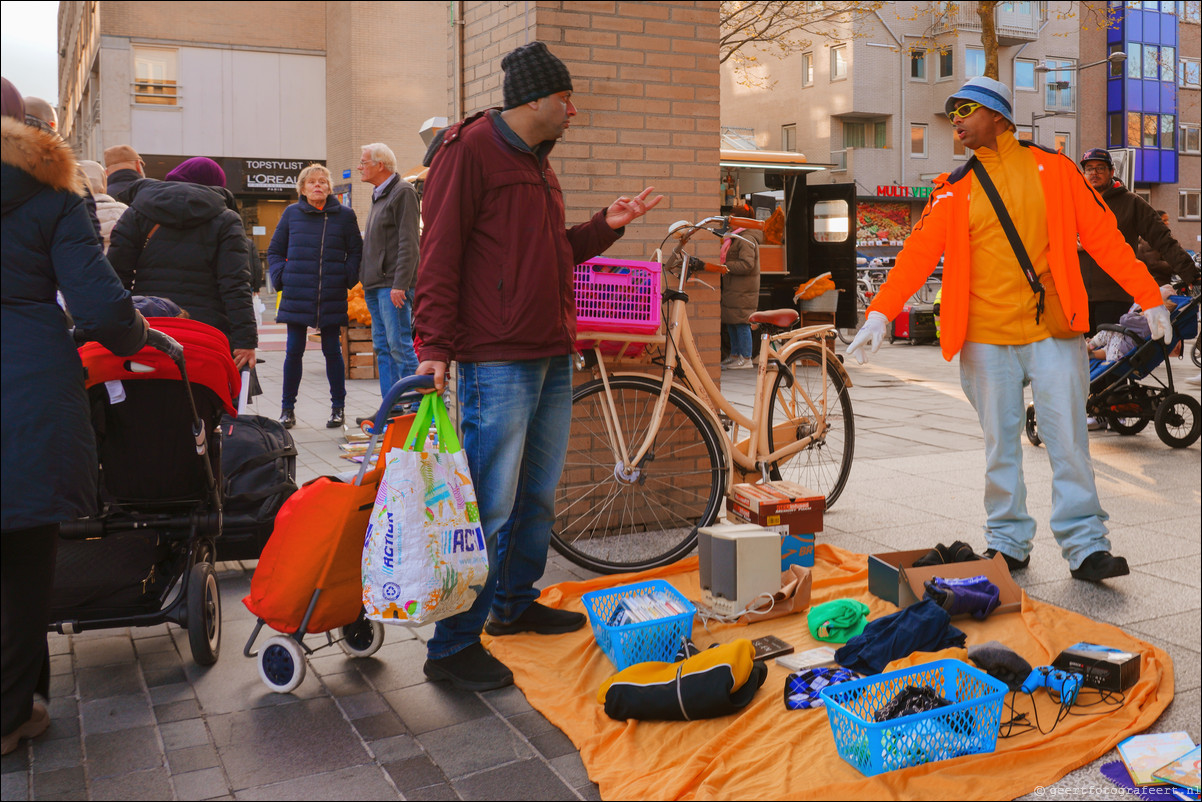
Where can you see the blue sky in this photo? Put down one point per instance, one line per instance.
(28, 45)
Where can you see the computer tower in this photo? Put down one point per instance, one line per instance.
(738, 562)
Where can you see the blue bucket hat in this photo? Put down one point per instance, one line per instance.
(991, 94)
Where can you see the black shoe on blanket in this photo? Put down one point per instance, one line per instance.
(470, 669)
(538, 619)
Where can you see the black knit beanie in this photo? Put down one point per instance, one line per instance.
(531, 72)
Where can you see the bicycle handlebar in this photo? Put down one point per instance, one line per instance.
(746, 222)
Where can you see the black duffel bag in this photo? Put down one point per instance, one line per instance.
(258, 464)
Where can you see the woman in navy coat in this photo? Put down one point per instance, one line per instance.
(314, 259)
(49, 451)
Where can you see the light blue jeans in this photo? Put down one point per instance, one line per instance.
(993, 378)
(391, 336)
(740, 339)
(515, 418)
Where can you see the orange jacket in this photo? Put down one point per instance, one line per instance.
(1074, 210)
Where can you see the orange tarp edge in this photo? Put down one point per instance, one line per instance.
(769, 752)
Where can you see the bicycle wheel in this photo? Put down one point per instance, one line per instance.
(610, 520)
(824, 466)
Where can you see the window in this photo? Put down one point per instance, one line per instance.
(807, 69)
(1114, 130)
(1135, 62)
(1168, 60)
(1151, 62)
(1058, 86)
(1191, 138)
(859, 134)
(1189, 202)
(946, 69)
(788, 137)
(1151, 129)
(1168, 128)
(1190, 11)
(830, 221)
(838, 63)
(1134, 129)
(155, 77)
(1145, 194)
(1191, 73)
(1024, 75)
(918, 65)
(1024, 133)
(958, 149)
(1115, 69)
(1063, 144)
(974, 62)
(918, 141)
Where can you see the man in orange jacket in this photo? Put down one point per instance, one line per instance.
(1012, 326)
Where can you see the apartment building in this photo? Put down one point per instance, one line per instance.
(870, 102)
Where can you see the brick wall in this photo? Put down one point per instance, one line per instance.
(257, 24)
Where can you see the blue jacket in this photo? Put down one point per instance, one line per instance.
(47, 244)
(314, 259)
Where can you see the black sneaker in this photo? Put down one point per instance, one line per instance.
(470, 669)
(538, 619)
(1011, 563)
(337, 418)
(288, 418)
(1101, 565)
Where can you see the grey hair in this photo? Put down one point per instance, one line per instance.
(381, 154)
(308, 171)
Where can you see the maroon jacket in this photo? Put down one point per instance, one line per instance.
(495, 278)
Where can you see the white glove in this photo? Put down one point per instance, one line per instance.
(1159, 324)
(873, 329)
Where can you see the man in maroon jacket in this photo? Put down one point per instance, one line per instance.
(494, 293)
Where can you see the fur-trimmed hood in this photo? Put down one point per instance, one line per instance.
(44, 159)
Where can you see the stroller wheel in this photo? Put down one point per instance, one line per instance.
(282, 664)
(1032, 430)
(362, 638)
(1126, 424)
(204, 614)
(1177, 421)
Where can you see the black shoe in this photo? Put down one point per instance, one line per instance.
(288, 418)
(470, 669)
(337, 418)
(1101, 565)
(364, 419)
(538, 619)
(1011, 563)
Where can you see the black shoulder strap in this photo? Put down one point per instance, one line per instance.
(1003, 216)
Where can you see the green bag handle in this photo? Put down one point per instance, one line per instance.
(432, 410)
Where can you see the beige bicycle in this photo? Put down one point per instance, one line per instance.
(650, 459)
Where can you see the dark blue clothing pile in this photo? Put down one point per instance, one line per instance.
(921, 627)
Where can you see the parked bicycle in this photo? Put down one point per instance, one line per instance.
(650, 459)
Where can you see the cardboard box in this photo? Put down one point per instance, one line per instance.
(778, 503)
(893, 577)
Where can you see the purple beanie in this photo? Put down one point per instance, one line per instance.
(199, 170)
(11, 101)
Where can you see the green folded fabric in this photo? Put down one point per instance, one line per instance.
(838, 621)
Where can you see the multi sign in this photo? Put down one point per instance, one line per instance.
(893, 191)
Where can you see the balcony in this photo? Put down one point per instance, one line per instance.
(1016, 23)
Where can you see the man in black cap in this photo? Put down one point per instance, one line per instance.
(494, 293)
(1136, 218)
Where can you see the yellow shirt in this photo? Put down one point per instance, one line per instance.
(1001, 307)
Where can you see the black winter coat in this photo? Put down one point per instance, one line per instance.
(180, 241)
(48, 243)
(314, 259)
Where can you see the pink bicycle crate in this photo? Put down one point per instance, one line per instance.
(618, 295)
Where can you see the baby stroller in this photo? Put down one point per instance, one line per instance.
(147, 557)
(309, 578)
(1117, 394)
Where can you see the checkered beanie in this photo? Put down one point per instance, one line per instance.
(531, 72)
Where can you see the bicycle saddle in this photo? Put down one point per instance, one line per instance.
(780, 318)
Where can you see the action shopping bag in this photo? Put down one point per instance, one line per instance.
(424, 557)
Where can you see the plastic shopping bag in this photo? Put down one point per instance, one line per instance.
(424, 557)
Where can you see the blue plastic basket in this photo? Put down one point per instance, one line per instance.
(968, 726)
(628, 644)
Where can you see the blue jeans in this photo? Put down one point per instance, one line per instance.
(391, 336)
(331, 348)
(515, 418)
(993, 377)
(740, 339)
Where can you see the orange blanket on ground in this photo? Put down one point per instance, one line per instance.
(769, 752)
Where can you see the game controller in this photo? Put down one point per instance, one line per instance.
(1065, 683)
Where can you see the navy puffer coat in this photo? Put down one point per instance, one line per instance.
(49, 450)
(314, 259)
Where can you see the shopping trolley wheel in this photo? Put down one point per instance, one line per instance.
(204, 614)
(1032, 430)
(363, 638)
(282, 664)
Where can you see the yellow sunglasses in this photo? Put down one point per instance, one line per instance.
(962, 111)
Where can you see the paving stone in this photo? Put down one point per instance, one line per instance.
(64, 781)
(155, 644)
(434, 705)
(589, 792)
(103, 651)
(161, 660)
(528, 779)
(177, 711)
(165, 676)
(414, 773)
(397, 665)
(114, 753)
(394, 749)
(362, 705)
(346, 683)
(355, 782)
(175, 692)
(62, 685)
(473, 746)
(14, 786)
(433, 793)
(192, 758)
(153, 784)
(95, 683)
(142, 634)
(553, 744)
(116, 713)
(571, 769)
(15, 761)
(183, 734)
(508, 701)
(383, 725)
(531, 724)
(203, 784)
(55, 754)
